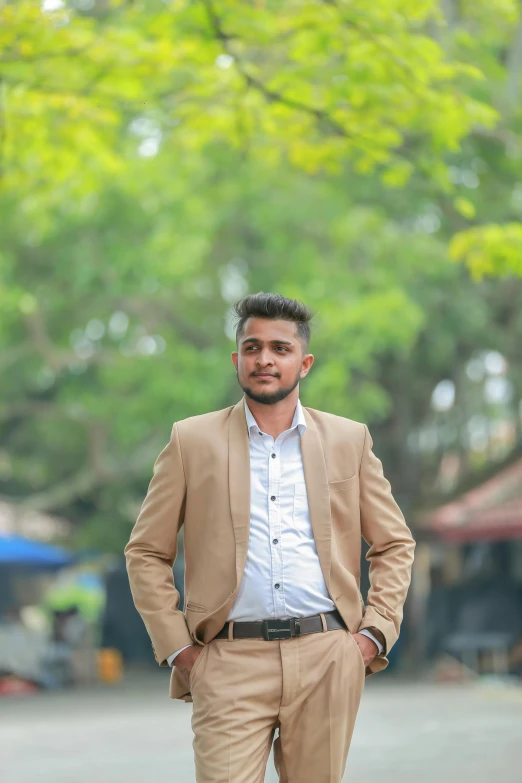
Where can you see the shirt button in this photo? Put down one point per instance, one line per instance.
(275, 541)
(273, 497)
(273, 456)
(277, 585)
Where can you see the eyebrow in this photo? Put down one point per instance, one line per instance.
(272, 342)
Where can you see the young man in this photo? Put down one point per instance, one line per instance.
(275, 499)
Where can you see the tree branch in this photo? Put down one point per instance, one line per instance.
(157, 313)
(11, 355)
(62, 494)
(514, 65)
(257, 84)
(43, 56)
(87, 478)
(57, 358)
(40, 408)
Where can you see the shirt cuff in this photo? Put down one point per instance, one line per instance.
(171, 658)
(372, 637)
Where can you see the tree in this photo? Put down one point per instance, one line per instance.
(160, 160)
(318, 84)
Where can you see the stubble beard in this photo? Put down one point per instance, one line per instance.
(269, 398)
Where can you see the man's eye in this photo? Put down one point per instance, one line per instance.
(281, 348)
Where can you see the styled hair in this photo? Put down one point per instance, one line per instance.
(274, 307)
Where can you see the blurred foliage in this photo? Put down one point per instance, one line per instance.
(317, 84)
(490, 249)
(160, 159)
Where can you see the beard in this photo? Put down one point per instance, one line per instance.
(269, 398)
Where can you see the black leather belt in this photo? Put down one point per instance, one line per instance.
(282, 629)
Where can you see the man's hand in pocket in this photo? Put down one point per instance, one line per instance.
(367, 648)
(186, 660)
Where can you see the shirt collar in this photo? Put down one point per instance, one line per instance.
(298, 420)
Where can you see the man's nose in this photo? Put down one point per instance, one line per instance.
(264, 359)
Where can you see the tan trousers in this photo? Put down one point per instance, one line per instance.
(308, 687)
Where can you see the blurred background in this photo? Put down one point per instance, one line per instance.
(161, 159)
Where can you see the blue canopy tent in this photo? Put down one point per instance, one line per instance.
(19, 552)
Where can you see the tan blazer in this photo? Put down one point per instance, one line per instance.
(202, 480)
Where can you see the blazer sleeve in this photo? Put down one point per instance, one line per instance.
(151, 552)
(391, 549)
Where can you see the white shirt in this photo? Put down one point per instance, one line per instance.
(282, 576)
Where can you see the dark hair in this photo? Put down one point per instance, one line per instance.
(274, 306)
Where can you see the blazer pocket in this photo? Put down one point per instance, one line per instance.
(192, 607)
(340, 486)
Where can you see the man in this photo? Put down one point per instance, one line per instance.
(275, 499)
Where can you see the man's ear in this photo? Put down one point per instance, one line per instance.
(306, 364)
(235, 357)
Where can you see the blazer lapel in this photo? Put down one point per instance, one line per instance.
(316, 478)
(239, 483)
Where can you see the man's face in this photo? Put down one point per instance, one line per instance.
(270, 360)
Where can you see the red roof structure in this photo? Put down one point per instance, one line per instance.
(490, 512)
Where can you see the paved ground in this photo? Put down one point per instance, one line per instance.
(406, 733)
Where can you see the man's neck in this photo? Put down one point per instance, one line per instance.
(274, 419)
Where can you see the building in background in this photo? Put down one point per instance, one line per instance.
(467, 587)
